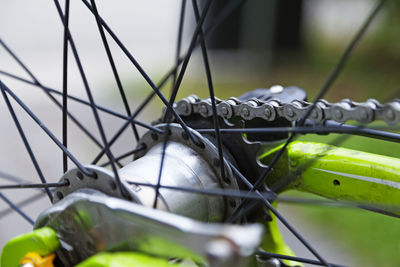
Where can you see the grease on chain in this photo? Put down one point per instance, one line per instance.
(270, 110)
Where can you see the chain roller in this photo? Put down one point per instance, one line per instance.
(345, 110)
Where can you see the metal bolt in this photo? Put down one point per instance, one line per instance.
(289, 112)
(203, 109)
(79, 175)
(314, 114)
(224, 111)
(59, 195)
(389, 114)
(338, 114)
(185, 107)
(245, 112)
(363, 114)
(154, 136)
(267, 112)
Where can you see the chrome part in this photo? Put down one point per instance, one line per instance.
(104, 181)
(272, 262)
(276, 89)
(185, 165)
(89, 221)
(271, 109)
(244, 151)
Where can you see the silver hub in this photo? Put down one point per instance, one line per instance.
(186, 165)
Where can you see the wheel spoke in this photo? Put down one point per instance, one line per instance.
(171, 102)
(5, 89)
(280, 217)
(114, 68)
(219, 19)
(17, 209)
(29, 186)
(344, 58)
(291, 258)
(211, 90)
(91, 100)
(12, 178)
(21, 204)
(13, 55)
(24, 139)
(340, 129)
(234, 193)
(144, 74)
(47, 92)
(186, 60)
(65, 87)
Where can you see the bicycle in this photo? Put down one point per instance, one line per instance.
(213, 154)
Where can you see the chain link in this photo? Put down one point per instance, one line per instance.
(270, 110)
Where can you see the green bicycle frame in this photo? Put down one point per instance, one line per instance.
(368, 180)
(340, 174)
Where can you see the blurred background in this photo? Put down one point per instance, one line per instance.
(259, 45)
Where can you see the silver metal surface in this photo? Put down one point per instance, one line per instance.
(88, 221)
(268, 262)
(269, 110)
(186, 165)
(104, 181)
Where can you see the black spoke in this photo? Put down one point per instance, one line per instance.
(171, 102)
(48, 91)
(45, 89)
(211, 90)
(218, 20)
(158, 185)
(186, 60)
(24, 139)
(19, 61)
(282, 219)
(335, 128)
(21, 204)
(5, 89)
(17, 209)
(12, 178)
(234, 193)
(345, 57)
(177, 84)
(44, 185)
(114, 68)
(291, 258)
(126, 124)
(76, 99)
(145, 76)
(65, 87)
(92, 103)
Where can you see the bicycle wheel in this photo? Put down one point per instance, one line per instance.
(105, 138)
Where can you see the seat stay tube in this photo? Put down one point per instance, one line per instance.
(368, 180)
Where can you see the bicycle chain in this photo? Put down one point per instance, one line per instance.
(272, 109)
